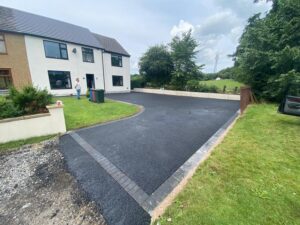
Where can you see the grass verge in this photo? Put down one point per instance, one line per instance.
(83, 113)
(252, 177)
(13, 145)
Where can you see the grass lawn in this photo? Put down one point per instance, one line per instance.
(82, 113)
(252, 177)
(9, 146)
(230, 84)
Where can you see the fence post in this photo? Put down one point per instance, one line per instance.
(246, 98)
(224, 89)
(235, 90)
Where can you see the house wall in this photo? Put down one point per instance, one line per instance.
(39, 66)
(110, 70)
(16, 59)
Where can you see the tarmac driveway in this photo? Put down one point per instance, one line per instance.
(121, 164)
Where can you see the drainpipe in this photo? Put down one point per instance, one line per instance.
(103, 70)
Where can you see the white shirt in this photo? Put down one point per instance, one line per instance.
(77, 86)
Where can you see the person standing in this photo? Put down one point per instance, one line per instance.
(78, 88)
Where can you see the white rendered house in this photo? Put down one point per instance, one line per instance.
(55, 53)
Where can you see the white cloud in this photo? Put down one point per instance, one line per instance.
(219, 23)
(182, 27)
(219, 33)
(243, 8)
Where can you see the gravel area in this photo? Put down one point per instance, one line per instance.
(35, 188)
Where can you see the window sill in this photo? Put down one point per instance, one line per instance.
(56, 58)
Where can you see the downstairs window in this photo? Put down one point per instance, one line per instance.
(60, 79)
(5, 79)
(117, 80)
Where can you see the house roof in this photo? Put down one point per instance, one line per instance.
(111, 45)
(16, 21)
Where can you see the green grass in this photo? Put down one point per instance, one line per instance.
(12, 145)
(82, 113)
(252, 177)
(230, 84)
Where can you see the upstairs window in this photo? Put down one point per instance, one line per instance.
(117, 80)
(87, 55)
(116, 60)
(2, 45)
(55, 50)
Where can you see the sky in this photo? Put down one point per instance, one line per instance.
(138, 24)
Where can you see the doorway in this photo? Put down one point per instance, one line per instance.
(90, 81)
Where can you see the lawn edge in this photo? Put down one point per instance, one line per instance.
(179, 179)
(141, 109)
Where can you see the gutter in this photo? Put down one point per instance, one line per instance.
(103, 69)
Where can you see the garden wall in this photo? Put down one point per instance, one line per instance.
(24, 127)
(188, 94)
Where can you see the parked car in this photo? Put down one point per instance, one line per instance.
(290, 105)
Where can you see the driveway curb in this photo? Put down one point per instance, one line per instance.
(165, 194)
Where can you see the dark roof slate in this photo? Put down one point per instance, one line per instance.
(111, 45)
(12, 20)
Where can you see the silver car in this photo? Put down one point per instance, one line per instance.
(290, 106)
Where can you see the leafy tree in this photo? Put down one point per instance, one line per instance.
(156, 65)
(227, 73)
(183, 52)
(269, 51)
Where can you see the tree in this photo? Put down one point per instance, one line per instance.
(269, 50)
(227, 73)
(156, 65)
(183, 52)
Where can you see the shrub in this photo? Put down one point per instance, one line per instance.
(8, 109)
(195, 85)
(138, 81)
(30, 100)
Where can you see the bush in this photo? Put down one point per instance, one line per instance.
(285, 84)
(8, 109)
(195, 85)
(30, 100)
(138, 81)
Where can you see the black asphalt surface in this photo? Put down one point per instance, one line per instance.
(148, 148)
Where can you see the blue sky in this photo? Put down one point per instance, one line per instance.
(139, 24)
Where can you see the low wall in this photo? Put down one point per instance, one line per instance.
(24, 127)
(188, 94)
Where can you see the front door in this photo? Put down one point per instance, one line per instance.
(90, 81)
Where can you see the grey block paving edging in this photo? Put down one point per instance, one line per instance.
(152, 203)
(125, 182)
(157, 197)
